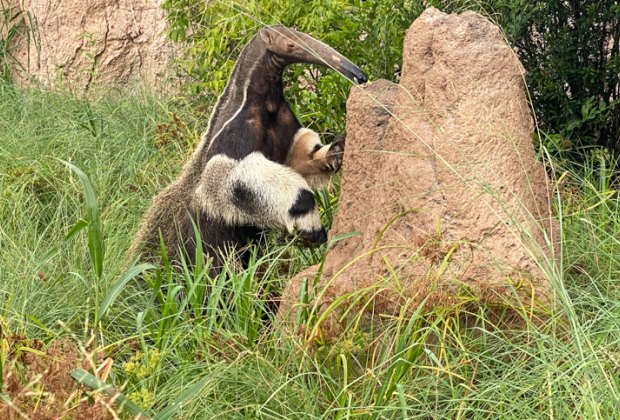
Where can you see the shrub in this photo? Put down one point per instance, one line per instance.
(570, 49)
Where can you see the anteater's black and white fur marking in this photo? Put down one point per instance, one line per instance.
(249, 172)
(255, 191)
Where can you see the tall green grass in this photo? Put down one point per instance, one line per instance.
(112, 140)
(189, 345)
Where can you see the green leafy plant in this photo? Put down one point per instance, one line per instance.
(96, 250)
(570, 50)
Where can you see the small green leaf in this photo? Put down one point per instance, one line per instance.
(78, 226)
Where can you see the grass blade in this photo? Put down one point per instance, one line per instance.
(120, 284)
(177, 404)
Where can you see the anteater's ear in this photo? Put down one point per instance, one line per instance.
(266, 35)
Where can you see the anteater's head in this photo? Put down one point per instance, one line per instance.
(291, 46)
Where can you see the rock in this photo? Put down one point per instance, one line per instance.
(79, 44)
(441, 179)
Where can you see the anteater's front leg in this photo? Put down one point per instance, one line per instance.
(259, 192)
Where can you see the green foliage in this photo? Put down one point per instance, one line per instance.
(570, 50)
(42, 204)
(95, 383)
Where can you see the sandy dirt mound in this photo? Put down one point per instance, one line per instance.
(37, 383)
(80, 44)
(440, 178)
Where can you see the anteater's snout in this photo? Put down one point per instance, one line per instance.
(352, 72)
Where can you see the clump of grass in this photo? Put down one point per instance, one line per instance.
(41, 201)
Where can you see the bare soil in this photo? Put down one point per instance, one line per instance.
(37, 382)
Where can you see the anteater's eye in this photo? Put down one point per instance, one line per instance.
(291, 45)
